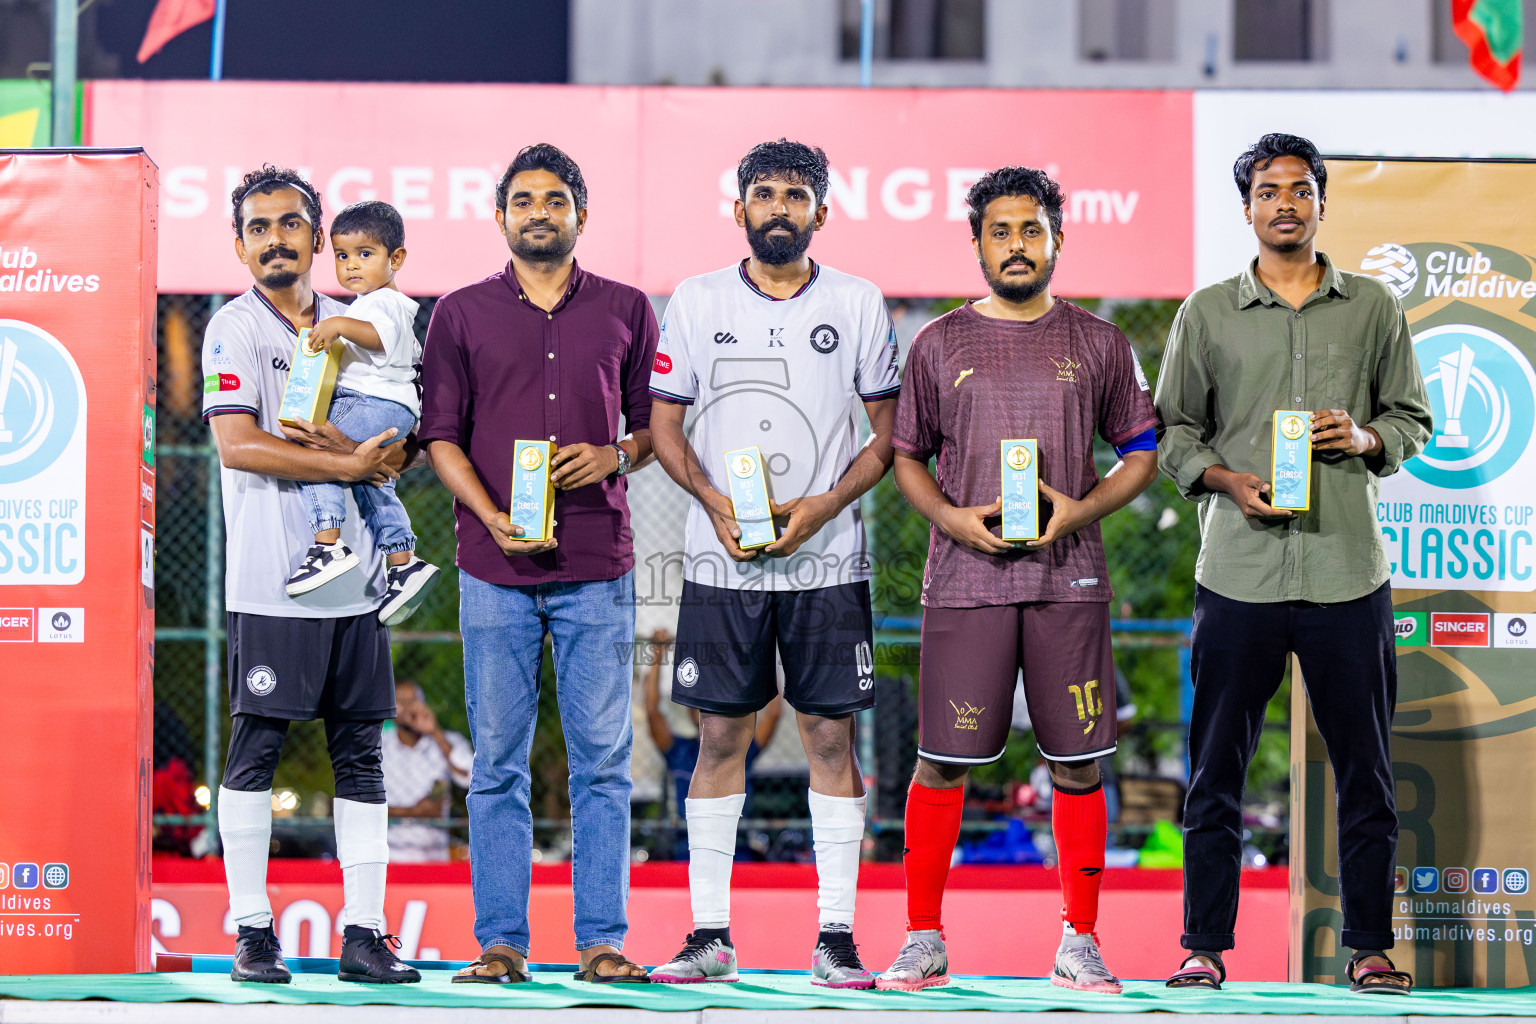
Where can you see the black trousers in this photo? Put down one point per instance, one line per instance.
(1349, 665)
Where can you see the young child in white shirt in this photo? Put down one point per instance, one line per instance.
(375, 390)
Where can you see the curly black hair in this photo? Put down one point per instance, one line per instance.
(269, 178)
(793, 161)
(1015, 181)
(541, 156)
(1277, 144)
(374, 219)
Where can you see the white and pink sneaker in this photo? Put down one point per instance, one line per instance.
(1079, 965)
(707, 956)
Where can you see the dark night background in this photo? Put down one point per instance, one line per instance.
(305, 40)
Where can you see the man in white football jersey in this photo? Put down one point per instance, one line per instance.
(775, 352)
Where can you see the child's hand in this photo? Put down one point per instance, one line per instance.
(321, 336)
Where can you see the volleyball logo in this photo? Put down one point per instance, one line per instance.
(1394, 266)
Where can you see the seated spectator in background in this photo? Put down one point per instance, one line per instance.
(421, 763)
(681, 753)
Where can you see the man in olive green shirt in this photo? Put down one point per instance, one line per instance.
(1292, 332)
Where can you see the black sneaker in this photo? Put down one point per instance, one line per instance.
(408, 587)
(366, 955)
(324, 563)
(258, 957)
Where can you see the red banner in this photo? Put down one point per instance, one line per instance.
(77, 378)
(659, 164)
(773, 915)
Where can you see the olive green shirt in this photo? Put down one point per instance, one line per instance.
(1237, 353)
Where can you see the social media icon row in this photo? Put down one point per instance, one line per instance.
(28, 875)
(1482, 881)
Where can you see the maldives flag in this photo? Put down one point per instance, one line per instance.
(1492, 31)
(170, 19)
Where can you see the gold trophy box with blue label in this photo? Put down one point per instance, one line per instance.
(1021, 489)
(749, 497)
(310, 383)
(533, 492)
(1290, 468)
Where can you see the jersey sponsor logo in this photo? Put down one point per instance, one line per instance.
(1141, 375)
(279, 363)
(775, 337)
(220, 382)
(687, 672)
(1066, 369)
(967, 715)
(663, 363)
(726, 338)
(261, 680)
(824, 338)
(964, 374)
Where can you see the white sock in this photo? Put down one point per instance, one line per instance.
(837, 832)
(245, 829)
(711, 848)
(362, 849)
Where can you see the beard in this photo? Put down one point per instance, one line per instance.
(777, 252)
(1022, 291)
(279, 279)
(552, 250)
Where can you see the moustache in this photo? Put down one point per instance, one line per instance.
(778, 223)
(278, 252)
(1017, 261)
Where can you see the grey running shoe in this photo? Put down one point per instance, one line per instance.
(1079, 965)
(835, 962)
(707, 956)
(921, 963)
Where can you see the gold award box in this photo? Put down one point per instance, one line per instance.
(533, 493)
(1290, 471)
(749, 497)
(310, 383)
(1021, 489)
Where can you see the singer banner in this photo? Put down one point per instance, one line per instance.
(1454, 242)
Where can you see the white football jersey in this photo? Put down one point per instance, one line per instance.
(786, 375)
(246, 351)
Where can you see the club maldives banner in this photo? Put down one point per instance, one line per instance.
(660, 168)
(77, 523)
(1455, 244)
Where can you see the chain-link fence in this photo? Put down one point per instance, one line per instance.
(1151, 547)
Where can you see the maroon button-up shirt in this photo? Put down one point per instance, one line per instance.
(497, 369)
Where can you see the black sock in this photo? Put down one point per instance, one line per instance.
(835, 934)
(706, 934)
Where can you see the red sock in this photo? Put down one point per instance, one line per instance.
(933, 828)
(1081, 825)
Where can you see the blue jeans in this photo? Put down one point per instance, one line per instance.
(593, 627)
(360, 417)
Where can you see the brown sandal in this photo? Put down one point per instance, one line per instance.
(589, 972)
(515, 975)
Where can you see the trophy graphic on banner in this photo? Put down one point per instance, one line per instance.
(7, 370)
(1455, 375)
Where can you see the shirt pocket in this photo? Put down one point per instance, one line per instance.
(597, 370)
(1346, 379)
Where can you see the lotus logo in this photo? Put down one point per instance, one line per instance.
(1393, 265)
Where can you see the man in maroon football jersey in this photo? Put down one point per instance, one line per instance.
(1016, 364)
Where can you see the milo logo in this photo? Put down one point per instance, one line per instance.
(1409, 629)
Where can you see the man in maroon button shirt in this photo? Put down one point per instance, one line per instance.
(540, 350)
(1016, 364)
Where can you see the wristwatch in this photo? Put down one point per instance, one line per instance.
(623, 459)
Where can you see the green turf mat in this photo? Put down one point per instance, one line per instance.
(778, 992)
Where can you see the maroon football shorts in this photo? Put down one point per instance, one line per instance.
(971, 658)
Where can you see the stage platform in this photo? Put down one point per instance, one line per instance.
(181, 997)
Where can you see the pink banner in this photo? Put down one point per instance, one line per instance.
(659, 165)
(773, 915)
